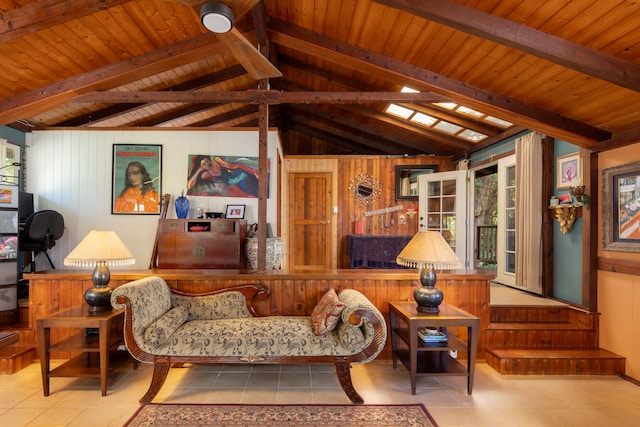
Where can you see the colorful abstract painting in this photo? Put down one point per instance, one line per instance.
(222, 176)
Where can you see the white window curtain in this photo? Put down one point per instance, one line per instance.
(529, 212)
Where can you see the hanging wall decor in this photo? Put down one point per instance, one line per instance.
(365, 189)
(136, 179)
(222, 176)
(621, 208)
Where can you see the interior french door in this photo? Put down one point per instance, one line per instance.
(506, 244)
(442, 206)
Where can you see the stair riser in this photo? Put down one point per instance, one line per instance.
(554, 366)
(544, 315)
(13, 363)
(540, 338)
(529, 314)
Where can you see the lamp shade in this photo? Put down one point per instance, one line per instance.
(104, 246)
(428, 249)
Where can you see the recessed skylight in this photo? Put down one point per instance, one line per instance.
(399, 111)
(448, 127)
(472, 135)
(454, 126)
(499, 122)
(469, 111)
(447, 105)
(423, 119)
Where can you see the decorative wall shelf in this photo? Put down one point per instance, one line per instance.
(566, 215)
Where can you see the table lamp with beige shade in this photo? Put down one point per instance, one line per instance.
(99, 249)
(428, 251)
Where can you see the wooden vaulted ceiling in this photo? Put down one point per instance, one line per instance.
(569, 69)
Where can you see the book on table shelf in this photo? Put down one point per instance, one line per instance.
(431, 335)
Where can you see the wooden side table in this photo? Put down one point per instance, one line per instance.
(109, 327)
(432, 358)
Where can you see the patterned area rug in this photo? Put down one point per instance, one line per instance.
(164, 415)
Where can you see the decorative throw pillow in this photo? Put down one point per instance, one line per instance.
(326, 314)
(160, 330)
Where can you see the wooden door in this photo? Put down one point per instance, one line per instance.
(310, 220)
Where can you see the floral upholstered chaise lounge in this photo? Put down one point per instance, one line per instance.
(164, 326)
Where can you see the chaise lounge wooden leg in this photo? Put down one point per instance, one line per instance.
(161, 368)
(343, 369)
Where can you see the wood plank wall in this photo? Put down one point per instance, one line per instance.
(344, 169)
(291, 294)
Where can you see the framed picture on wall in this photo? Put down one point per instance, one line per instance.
(136, 179)
(235, 211)
(621, 208)
(568, 171)
(222, 176)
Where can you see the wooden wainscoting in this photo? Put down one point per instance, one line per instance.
(291, 293)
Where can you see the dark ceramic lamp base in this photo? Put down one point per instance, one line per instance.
(428, 296)
(98, 297)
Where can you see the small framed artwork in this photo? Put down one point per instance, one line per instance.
(564, 199)
(8, 196)
(235, 211)
(568, 171)
(136, 179)
(621, 208)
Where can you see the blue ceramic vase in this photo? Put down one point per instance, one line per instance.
(182, 206)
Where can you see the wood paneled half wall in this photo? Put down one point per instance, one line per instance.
(291, 293)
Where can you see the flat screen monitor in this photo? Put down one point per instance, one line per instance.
(25, 206)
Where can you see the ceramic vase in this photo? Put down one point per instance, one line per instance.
(182, 206)
(275, 250)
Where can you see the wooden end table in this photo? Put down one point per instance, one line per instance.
(109, 328)
(432, 358)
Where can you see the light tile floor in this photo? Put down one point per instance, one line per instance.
(497, 400)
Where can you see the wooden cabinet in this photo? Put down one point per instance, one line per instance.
(201, 243)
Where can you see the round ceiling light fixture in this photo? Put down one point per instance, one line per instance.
(216, 17)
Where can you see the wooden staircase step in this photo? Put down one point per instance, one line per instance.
(13, 359)
(529, 314)
(536, 361)
(521, 326)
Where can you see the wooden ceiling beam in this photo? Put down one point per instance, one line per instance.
(330, 138)
(423, 144)
(371, 115)
(512, 131)
(43, 14)
(100, 115)
(111, 111)
(254, 122)
(623, 139)
(223, 118)
(354, 85)
(54, 95)
(434, 136)
(525, 39)
(256, 96)
(359, 134)
(356, 58)
(173, 115)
